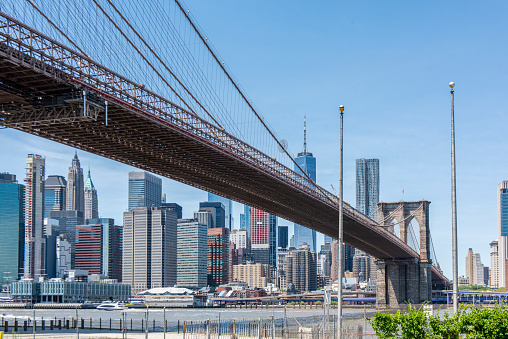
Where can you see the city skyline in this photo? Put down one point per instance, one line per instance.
(420, 169)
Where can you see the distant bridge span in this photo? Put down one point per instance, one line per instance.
(54, 92)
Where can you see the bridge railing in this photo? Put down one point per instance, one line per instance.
(35, 50)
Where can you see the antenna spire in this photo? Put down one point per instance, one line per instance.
(304, 134)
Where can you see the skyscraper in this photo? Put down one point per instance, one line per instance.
(91, 203)
(34, 217)
(149, 248)
(68, 220)
(367, 185)
(263, 237)
(99, 247)
(228, 209)
(173, 207)
(502, 203)
(367, 197)
(301, 268)
(217, 211)
(12, 227)
(75, 200)
(283, 237)
(244, 218)
(474, 268)
(494, 265)
(218, 256)
(306, 163)
(192, 253)
(54, 194)
(145, 190)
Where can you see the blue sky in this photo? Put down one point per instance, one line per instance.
(389, 63)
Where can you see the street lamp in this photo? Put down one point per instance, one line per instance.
(454, 211)
(341, 225)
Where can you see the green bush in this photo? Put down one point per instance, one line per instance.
(477, 322)
(318, 302)
(291, 303)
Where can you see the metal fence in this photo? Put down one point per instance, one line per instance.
(291, 328)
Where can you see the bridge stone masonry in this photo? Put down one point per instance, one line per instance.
(401, 281)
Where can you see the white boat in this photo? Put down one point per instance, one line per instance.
(111, 306)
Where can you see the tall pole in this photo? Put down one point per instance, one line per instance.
(341, 226)
(454, 212)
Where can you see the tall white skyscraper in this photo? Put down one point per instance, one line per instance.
(149, 248)
(34, 217)
(502, 205)
(75, 200)
(494, 264)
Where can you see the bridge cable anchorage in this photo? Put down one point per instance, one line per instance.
(57, 28)
(143, 56)
(249, 103)
(159, 59)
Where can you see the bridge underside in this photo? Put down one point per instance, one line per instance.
(38, 99)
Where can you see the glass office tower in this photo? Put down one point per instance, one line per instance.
(12, 226)
(145, 190)
(228, 206)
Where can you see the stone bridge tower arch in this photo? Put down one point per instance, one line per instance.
(405, 280)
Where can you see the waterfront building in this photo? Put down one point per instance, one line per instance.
(75, 194)
(54, 194)
(228, 209)
(283, 237)
(263, 227)
(306, 163)
(173, 207)
(149, 248)
(145, 190)
(494, 265)
(91, 203)
(502, 207)
(12, 227)
(217, 212)
(89, 248)
(239, 238)
(486, 276)
(191, 253)
(325, 260)
(68, 292)
(301, 269)
(218, 256)
(34, 217)
(256, 275)
(67, 221)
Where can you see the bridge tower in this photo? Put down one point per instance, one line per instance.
(401, 281)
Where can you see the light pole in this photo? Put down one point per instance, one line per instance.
(454, 212)
(341, 225)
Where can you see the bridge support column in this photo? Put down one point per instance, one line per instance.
(403, 281)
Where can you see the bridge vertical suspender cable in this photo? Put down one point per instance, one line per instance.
(157, 57)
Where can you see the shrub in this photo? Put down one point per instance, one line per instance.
(477, 322)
